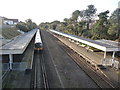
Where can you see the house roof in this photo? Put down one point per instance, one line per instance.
(14, 20)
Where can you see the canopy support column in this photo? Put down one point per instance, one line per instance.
(113, 56)
(104, 59)
(11, 60)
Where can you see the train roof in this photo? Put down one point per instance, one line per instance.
(38, 37)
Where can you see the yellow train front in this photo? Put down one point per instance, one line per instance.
(38, 47)
(38, 42)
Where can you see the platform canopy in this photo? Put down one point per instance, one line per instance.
(104, 45)
(19, 44)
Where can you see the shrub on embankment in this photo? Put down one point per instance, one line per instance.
(9, 33)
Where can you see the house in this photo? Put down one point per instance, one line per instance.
(8, 21)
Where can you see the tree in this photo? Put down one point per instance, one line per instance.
(22, 26)
(44, 26)
(30, 25)
(100, 28)
(54, 24)
(89, 13)
(114, 29)
(34, 25)
(115, 17)
(27, 25)
(75, 15)
(67, 21)
(81, 27)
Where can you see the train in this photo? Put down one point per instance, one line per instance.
(38, 41)
(38, 47)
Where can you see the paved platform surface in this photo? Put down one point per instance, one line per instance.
(96, 57)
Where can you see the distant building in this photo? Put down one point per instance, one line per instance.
(8, 21)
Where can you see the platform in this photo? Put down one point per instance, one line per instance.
(104, 45)
(19, 44)
(95, 57)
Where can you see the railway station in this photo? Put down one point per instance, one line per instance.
(104, 45)
(77, 45)
(13, 51)
(57, 73)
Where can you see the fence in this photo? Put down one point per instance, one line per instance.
(20, 66)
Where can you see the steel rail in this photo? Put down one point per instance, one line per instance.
(4, 76)
(39, 66)
(44, 75)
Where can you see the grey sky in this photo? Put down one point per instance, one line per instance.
(50, 10)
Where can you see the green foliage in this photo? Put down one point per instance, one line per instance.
(27, 25)
(9, 33)
(114, 30)
(54, 24)
(115, 17)
(90, 12)
(103, 16)
(22, 26)
(88, 15)
(44, 26)
(82, 23)
(75, 15)
(100, 29)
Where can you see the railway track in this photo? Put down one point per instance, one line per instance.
(44, 75)
(38, 76)
(4, 76)
(100, 79)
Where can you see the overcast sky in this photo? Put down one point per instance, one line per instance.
(50, 10)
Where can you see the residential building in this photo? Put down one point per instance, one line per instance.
(8, 21)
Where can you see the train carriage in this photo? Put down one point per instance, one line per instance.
(38, 41)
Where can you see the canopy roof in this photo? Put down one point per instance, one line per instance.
(104, 45)
(19, 44)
